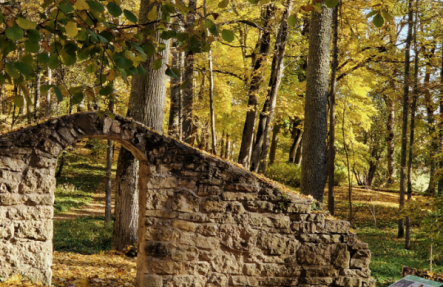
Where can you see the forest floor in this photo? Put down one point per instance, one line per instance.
(82, 242)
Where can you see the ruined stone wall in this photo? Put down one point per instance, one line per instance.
(203, 221)
(209, 223)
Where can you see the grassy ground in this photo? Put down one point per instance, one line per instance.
(375, 221)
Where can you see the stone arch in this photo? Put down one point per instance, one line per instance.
(202, 221)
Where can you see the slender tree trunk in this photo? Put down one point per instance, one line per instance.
(174, 110)
(37, 91)
(404, 136)
(256, 79)
(222, 145)
(146, 105)
(390, 139)
(274, 143)
(296, 135)
(261, 146)
(188, 92)
(228, 147)
(440, 182)
(313, 161)
(299, 153)
(109, 155)
(62, 164)
(431, 122)
(331, 156)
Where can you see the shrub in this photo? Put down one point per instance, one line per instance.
(85, 235)
(286, 173)
(97, 146)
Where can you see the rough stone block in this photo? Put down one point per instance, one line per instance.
(209, 229)
(185, 201)
(248, 187)
(217, 280)
(162, 182)
(199, 241)
(244, 281)
(278, 281)
(277, 244)
(194, 217)
(251, 269)
(234, 196)
(260, 206)
(184, 225)
(37, 230)
(166, 234)
(209, 190)
(240, 237)
(150, 280)
(214, 206)
(361, 259)
(13, 164)
(337, 226)
(348, 281)
(226, 263)
(164, 267)
(340, 257)
(156, 199)
(314, 254)
(6, 229)
(184, 281)
(320, 272)
(298, 208)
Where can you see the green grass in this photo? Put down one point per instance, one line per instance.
(85, 235)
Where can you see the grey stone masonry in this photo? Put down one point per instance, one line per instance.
(203, 221)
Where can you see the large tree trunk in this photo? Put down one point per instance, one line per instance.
(188, 91)
(146, 105)
(274, 143)
(256, 80)
(313, 161)
(405, 113)
(331, 149)
(261, 146)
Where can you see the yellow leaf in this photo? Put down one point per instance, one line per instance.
(15, 279)
(152, 15)
(71, 29)
(110, 77)
(25, 24)
(81, 5)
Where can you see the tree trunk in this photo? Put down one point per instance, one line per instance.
(256, 80)
(222, 145)
(431, 122)
(440, 182)
(390, 138)
(62, 164)
(331, 150)
(109, 155)
(146, 105)
(295, 138)
(299, 153)
(404, 141)
(228, 147)
(188, 92)
(174, 110)
(261, 146)
(274, 143)
(37, 92)
(313, 162)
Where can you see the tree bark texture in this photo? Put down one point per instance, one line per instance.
(188, 91)
(274, 143)
(174, 110)
(228, 147)
(313, 161)
(440, 182)
(146, 105)
(405, 113)
(256, 80)
(37, 92)
(390, 138)
(262, 138)
(109, 155)
(331, 149)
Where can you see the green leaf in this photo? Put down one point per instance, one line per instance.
(12, 71)
(170, 73)
(168, 8)
(23, 68)
(25, 23)
(77, 98)
(122, 62)
(331, 3)
(28, 59)
(66, 6)
(1, 17)
(223, 4)
(372, 13)
(184, 84)
(130, 16)
(386, 15)
(152, 15)
(53, 61)
(149, 49)
(228, 35)
(43, 58)
(18, 101)
(114, 9)
(45, 88)
(33, 36)
(14, 33)
(70, 60)
(157, 64)
(58, 93)
(378, 20)
(82, 35)
(166, 35)
(106, 91)
(95, 6)
(208, 23)
(31, 47)
(141, 70)
(214, 30)
(292, 20)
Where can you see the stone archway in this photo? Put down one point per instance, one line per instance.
(202, 221)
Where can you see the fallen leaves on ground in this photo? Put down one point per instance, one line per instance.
(77, 270)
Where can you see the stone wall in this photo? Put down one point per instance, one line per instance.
(203, 221)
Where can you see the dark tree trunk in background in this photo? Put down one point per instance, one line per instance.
(222, 145)
(62, 164)
(313, 161)
(431, 121)
(440, 182)
(37, 91)
(188, 91)
(261, 146)
(228, 147)
(390, 138)
(109, 155)
(297, 135)
(146, 105)
(256, 80)
(405, 113)
(274, 143)
(331, 149)
(174, 110)
(299, 153)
